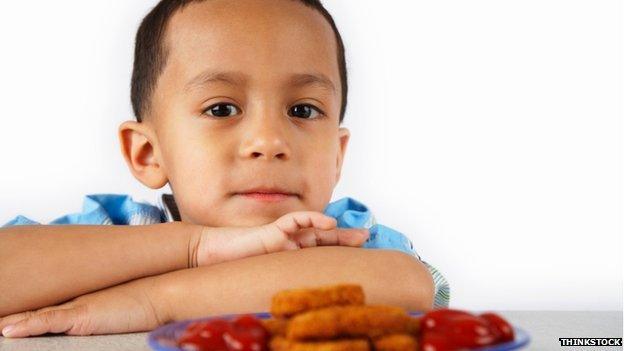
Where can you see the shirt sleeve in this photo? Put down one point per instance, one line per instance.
(104, 209)
(442, 288)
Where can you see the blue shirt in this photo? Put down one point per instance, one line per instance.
(113, 209)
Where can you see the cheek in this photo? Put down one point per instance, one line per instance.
(195, 154)
(196, 171)
(320, 172)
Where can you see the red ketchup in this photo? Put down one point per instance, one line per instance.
(450, 330)
(245, 333)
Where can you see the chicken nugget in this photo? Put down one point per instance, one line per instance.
(396, 342)
(349, 321)
(290, 302)
(275, 326)
(279, 343)
(414, 325)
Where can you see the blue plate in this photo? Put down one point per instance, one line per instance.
(165, 338)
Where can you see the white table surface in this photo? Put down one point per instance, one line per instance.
(544, 327)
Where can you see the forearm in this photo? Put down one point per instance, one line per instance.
(45, 265)
(247, 285)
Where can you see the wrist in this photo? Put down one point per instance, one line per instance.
(194, 235)
(158, 292)
(214, 245)
(223, 244)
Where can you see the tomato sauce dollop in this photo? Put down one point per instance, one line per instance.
(450, 330)
(245, 333)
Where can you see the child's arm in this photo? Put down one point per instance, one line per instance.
(387, 276)
(245, 285)
(46, 265)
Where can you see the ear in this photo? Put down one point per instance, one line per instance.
(343, 140)
(139, 149)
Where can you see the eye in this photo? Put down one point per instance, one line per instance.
(305, 111)
(222, 110)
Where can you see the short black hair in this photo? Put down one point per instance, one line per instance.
(150, 53)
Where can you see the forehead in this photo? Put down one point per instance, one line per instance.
(268, 40)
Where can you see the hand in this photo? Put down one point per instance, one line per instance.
(120, 309)
(290, 232)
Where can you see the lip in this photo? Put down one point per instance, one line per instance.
(267, 194)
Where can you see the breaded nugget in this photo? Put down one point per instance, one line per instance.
(396, 342)
(349, 321)
(414, 326)
(275, 326)
(289, 302)
(279, 343)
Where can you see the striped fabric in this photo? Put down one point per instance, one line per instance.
(442, 289)
(114, 209)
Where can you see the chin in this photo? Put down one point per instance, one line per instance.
(252, 220)
(251, 214)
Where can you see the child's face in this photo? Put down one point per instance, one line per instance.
(263, 61)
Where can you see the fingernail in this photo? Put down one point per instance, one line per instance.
(6, 331)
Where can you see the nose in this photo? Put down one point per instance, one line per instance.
(265, 138)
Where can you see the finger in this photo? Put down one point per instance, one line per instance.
(273, 239)
(342, 237)
(291, 245)
(51, 321)
(306, 237)
(312, 237)
(293, 222)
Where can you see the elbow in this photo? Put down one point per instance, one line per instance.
(421, 281)
(412, 285)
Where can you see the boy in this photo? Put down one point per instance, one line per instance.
(238, 107)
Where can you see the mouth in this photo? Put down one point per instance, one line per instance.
(267, 194)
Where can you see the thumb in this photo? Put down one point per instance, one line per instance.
(52, 321)
(352, 236)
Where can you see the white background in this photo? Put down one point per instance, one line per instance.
(490, 132)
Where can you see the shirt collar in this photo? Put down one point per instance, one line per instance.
(170, 208)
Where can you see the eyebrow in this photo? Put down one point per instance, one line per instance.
(303, 79)
(207, 77)
(237, 79)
